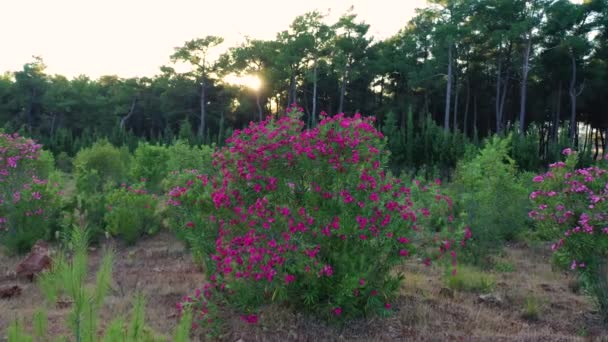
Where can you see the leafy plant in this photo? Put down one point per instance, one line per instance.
(150, 165)
(470, 280)
(131, 212)
(491, 199)
(310, 218)
(101, 163)
(571, 207)
(29, 207)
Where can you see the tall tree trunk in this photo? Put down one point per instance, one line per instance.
(605, 140)
(503, 94)
(524, 85)
(314, 95)
(586, 142)
(572, 92)
(53, 125)
(291, 96)
(465, 125)
(448, 93)
(343, 88)
(201, 126)
(124, 119)
(558, 114)
(498, 89)
(257, 102)
(456, 97)
(475, 129)
(597, 143)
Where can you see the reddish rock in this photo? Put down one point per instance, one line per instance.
(10, 291)
(35, 262)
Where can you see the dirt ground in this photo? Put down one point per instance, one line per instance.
(161, 269)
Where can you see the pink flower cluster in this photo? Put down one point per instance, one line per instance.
(297, 208)
(572, 205)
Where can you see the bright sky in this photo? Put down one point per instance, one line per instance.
(135, 37)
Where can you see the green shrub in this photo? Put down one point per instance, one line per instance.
(99, 164)
(532, 309)
(150, 165)
(470, 280)
(492, 199)
(64, 162)
(131, 212)
(185, 157)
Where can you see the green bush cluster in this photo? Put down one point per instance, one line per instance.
(130, 213)
(99, 164)
(491, 198)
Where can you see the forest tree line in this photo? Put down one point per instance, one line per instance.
(471, 66)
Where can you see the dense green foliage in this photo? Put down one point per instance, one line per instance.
(492, 199)
(130, 213)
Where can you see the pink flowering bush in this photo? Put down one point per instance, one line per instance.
(309, 218)
(571, 206)
(29, 207)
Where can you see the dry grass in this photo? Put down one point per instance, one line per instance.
(163, 271)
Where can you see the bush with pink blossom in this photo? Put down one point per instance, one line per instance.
(571, 207)
(309, 218)
(29, 207)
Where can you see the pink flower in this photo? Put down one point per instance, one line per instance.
(387, 306)
(337, 311)
(289, 278)
(251, 319)
(361, 282)
(190, 224)
(36, 195)
(567, 151)
(538, 179)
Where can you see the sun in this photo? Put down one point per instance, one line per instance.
(252, 82)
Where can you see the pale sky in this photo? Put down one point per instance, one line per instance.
(135, 37)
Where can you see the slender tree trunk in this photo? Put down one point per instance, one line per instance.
(53, 124)
(448, 93)
(572, 92)
(586, 142)
(456, 97)
(465, 125)
(475, 129)
(257, 101)
(558, 114)
(426, 104)
(503, 94)
(498, 88)
(597, 136)
(524, 85)
(201, 126)
(292, 90)
(343, 88)
(314, 96)
(605, 139)
(124, 119)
